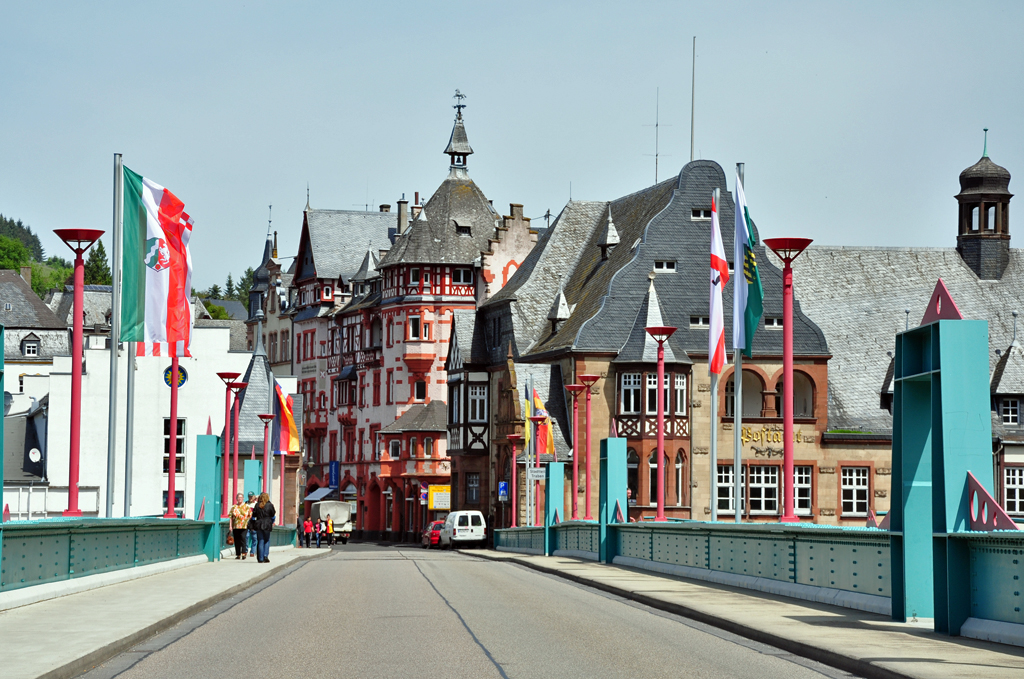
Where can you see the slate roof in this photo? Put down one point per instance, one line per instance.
(857, 296)
(458, 143)
(426, 417)
(95, 297)
(432, 238)
(640, 347)
(467, 337)
(236, 310)
(237, 336)
(27, 310)
(368, 269)
(340, 238)
(255, 401)
(547, 382)
(1008, 375)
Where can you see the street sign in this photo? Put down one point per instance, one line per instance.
(182, 377)
(423, 495)
(535, 473)
(334, 473)
(502, 491)
(439, 498)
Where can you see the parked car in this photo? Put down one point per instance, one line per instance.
(432, 535)
(462, 529)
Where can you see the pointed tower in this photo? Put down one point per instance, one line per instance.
(560, 310)
(611, 236)
(458, 145)
(640, 347)
(983, 240)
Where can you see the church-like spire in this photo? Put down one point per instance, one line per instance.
(560, 309)
(611, 236)
(458, 144)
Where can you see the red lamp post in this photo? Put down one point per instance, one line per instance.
(787, 249)
(537, 420)
(661, 333)
(235, 387)
(574, 390)
(588, 381)
(79, 240)
(227, 378)
(267, 469)
(514, 439)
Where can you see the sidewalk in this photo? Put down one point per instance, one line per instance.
(862, 643)
(69, 635)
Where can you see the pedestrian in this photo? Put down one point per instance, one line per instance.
(250, 535)
(240, 514)
(298, 530)
(319, 529)
(307, 530)
(263, 515)
(330, 531)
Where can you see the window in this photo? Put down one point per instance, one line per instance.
(428, 447)
(426, 279)
(414, 277)
(462, 277)
(700, 321)
(463, 230)
(420, 392)
(772, 322)
(391, 387)
(1010, 410)
(413, 447)
(725, 480)
(803, 396)
(632, 476)
(472, 488)
(456, 416)
(426, 331)
(179, 450)
(414, 327)
(652, 393)
(630, 394)
(30, 349)
(477, 403)
(802, 475)
(179, 502)
(653, 488)
(273, 347)
(855, 491)
(752, 397)
(679, 478)
(668, 266)
(1013, 490)
(680, 389)
(764, 489)
(376, 387)
(700, 214)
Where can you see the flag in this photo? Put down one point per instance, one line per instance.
(156, 269)
(719, 277)
(286, 434)
(747, 299)
(545, 441)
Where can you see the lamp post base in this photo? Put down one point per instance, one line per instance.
(171, 515)
(789, 519)
(72, 512)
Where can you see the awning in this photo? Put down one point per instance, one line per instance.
(319, 494)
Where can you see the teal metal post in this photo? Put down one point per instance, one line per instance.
(253, 470)
(554, 503)
(612, 506)
(207, 475)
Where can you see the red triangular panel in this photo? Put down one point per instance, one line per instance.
(885, 521)
(202, 510)
(941, 306)
(988, 515)
(253, 455)
(7, 514)
(209, 426)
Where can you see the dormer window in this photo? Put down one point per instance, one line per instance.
(665, 267)
(463, 230)
(30, 348)
(1010, 410)
(772, 322)
(700, 322)
(700, 214)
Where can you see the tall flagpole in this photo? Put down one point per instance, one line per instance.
(115, 327)
(737, 431)
(714, 446)
(129, 428)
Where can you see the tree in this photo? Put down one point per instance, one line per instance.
(214, 292)
(46, 277)
(13, 253)
(97, 271)
(58, 262)
(22, 232)
(217, 312)
(229, 288)
(244, 285)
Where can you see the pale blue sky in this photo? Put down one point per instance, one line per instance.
(854, 119)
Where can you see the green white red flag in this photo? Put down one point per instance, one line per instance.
(156, 310)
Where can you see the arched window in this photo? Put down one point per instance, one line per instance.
(413, 451)
(652, 495)
(679, 477)
(803, 396)
(752, 395)
(428, 447)
(632, 476)
(395, 450)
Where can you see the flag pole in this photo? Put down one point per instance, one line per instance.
(171, 513)
(129, 429)
(714, 446)
(115, 327)
(737, 432)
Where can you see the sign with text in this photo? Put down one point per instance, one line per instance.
(439, 498)
(335, 474)
(502, 491)
(535, 473)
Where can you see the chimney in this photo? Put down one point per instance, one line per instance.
(416, 208)
(403, 216)
(274, 252)
(26, 273)
(385, 208)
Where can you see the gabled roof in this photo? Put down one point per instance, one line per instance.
(236, 310)
(640, 347)
(333, 242)
(466, 341)
(27, 310)
(368, 269)
(431, 416)
(1008, 376)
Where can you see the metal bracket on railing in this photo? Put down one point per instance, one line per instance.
(985, 512)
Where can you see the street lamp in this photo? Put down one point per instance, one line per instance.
(661, 333)
(514, 439)
(79, 240)
(588, 381)
(574, 390)
(267, 419)
(787, 249)
(227, 378)
(537, 420)
(235, 387)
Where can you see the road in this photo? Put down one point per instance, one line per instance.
(372, 611)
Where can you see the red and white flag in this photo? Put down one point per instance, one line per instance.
(719, 277)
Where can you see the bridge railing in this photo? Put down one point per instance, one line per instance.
(577, 538)
(528, 540)
(994, 583)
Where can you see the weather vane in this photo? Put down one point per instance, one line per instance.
(459, 96)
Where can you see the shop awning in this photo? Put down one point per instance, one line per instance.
(318, 494)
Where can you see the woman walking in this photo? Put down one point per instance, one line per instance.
(240, 514)
(319, 530)
(307, 530)
(264, 517)
(329, 527)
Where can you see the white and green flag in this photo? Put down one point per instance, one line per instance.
(156, 310)
(747, 291)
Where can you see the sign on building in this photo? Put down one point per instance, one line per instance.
(439, 498)
(335, 474)
(535, 473)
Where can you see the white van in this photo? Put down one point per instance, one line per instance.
(462, 529)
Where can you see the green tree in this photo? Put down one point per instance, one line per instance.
(213, 293)
(13, 253)
(22, 232)
(58, 262)
(244, 285)
(97, 270)
(46, 277)
(229, 288)
(217, 312)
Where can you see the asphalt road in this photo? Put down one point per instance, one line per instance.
(369, 611)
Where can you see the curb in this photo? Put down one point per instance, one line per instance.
(854, 666)
(105, 653)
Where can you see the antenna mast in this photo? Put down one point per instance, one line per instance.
(693, 92)
(270, 212)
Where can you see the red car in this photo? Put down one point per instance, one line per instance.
(432, 535)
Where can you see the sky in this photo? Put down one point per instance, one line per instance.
(854, 120)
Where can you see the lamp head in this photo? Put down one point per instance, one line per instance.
(514, 438)
(79, 240)
(660, 333)
(237, 386)
(537, 419)
(228, 378)
(575, 389)
(266, 417)
(787, 249)
(589, 380)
